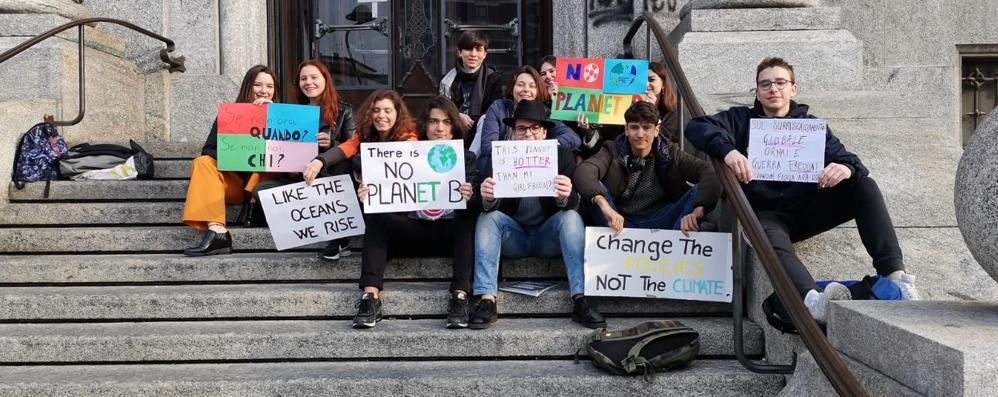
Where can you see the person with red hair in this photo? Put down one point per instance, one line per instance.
(336, 126)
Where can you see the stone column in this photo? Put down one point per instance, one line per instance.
(243, 32)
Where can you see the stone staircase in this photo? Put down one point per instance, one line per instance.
(96, 299)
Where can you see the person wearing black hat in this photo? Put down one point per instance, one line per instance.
(530, 226)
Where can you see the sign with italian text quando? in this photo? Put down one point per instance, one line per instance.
(525, 168)
(602, 89)
(788, 150)
(413, 175)
(274, 137)
(298, 214)
(649, 263)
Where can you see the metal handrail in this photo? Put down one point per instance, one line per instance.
(176, 62)
(829, 362)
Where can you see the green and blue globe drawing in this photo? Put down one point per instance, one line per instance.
(623, 75)
(442, 158)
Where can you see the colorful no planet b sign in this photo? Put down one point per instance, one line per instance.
(600, 88)
(275, 137)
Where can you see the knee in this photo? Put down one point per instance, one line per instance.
(570, 223)
(204, 162)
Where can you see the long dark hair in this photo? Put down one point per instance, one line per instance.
(329, 101)
(447, 106)
(246, 88)
(403, 119)
(667, 101)
(542, 89)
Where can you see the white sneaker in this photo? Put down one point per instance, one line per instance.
(907, 284)
(817, 302)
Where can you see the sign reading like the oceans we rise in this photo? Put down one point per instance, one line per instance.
(648, 263)
(525, 168)
(602, 89)
(299, 214)
(788, 150)
(274, 137)
(414, 175)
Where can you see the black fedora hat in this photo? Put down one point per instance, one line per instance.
(530, 110)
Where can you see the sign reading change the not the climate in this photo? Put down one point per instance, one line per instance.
(525, 168)
(413, 175)
(300, 215)
(602, 89)
(275, 137)
(648, 263)
(788, 150)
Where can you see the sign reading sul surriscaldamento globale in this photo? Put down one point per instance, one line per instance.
(788, 150)
(298, 214)
(413, 175)
(275, 137)
(525, 168)
(602, 89)
(649, 263)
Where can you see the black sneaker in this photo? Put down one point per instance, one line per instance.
(368, 311)
(335, 250)
(484, 314)
(584, 314)
(457, 311)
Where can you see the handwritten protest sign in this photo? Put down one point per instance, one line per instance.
(300, 215)
(789, 150)
(600, 88)
(525, 168)
(650, 263)
(275, 137)
(414, 175)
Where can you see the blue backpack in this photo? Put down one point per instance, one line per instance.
(37, 155)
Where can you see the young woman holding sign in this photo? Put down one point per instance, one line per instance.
(336, 125)
(423, 233)
(210, 189)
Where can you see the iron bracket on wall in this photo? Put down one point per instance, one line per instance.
(512, 27)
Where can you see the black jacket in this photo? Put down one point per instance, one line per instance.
(673, 167)
(346, 126)
(729, 130)
(566, 167)
(491, 90)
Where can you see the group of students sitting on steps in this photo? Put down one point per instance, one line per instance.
(634, 177)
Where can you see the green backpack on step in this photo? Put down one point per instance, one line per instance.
(646, 348)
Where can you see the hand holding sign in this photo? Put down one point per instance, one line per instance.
(833, 174)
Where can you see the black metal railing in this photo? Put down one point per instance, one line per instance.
(829, 362)
(176, 63)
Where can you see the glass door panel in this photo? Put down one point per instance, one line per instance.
(354, 42)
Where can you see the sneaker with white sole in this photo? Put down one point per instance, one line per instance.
(907, 285)
(335, 250)
(817, 302)
(368, 311)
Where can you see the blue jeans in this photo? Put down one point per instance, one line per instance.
(668, 217)
(497, 234)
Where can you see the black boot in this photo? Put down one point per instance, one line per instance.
(212, 243)
(584, 314)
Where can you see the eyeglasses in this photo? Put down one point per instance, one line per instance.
(534, 129)
(779, 83)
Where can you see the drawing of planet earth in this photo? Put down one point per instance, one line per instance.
(442, 158)
(621, 75)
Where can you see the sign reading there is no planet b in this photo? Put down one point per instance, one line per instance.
(787, 150)
(413, 175)
(275, 137)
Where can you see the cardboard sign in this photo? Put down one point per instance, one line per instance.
(788, 150)
(525, 168)
(275, 137)
(600, 88)
(413, 175)
(648, 263)
(300, 215)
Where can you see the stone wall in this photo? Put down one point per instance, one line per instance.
(910, 47)
(606, 23)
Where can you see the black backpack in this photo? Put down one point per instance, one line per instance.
(644, 349)
(87, 157)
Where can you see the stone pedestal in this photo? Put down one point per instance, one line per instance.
(719, 44)
(977, 195)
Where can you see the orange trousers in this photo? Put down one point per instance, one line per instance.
(210, 189)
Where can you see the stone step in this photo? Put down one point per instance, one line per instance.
(173, 169)
(159, 190)
(514, 378)
(126, 239)
(264, 266)
(120, 213)
(829, 104)
(308, 300)
(322, 340)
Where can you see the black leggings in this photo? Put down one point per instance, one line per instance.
(826, 209)
(414, 237)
